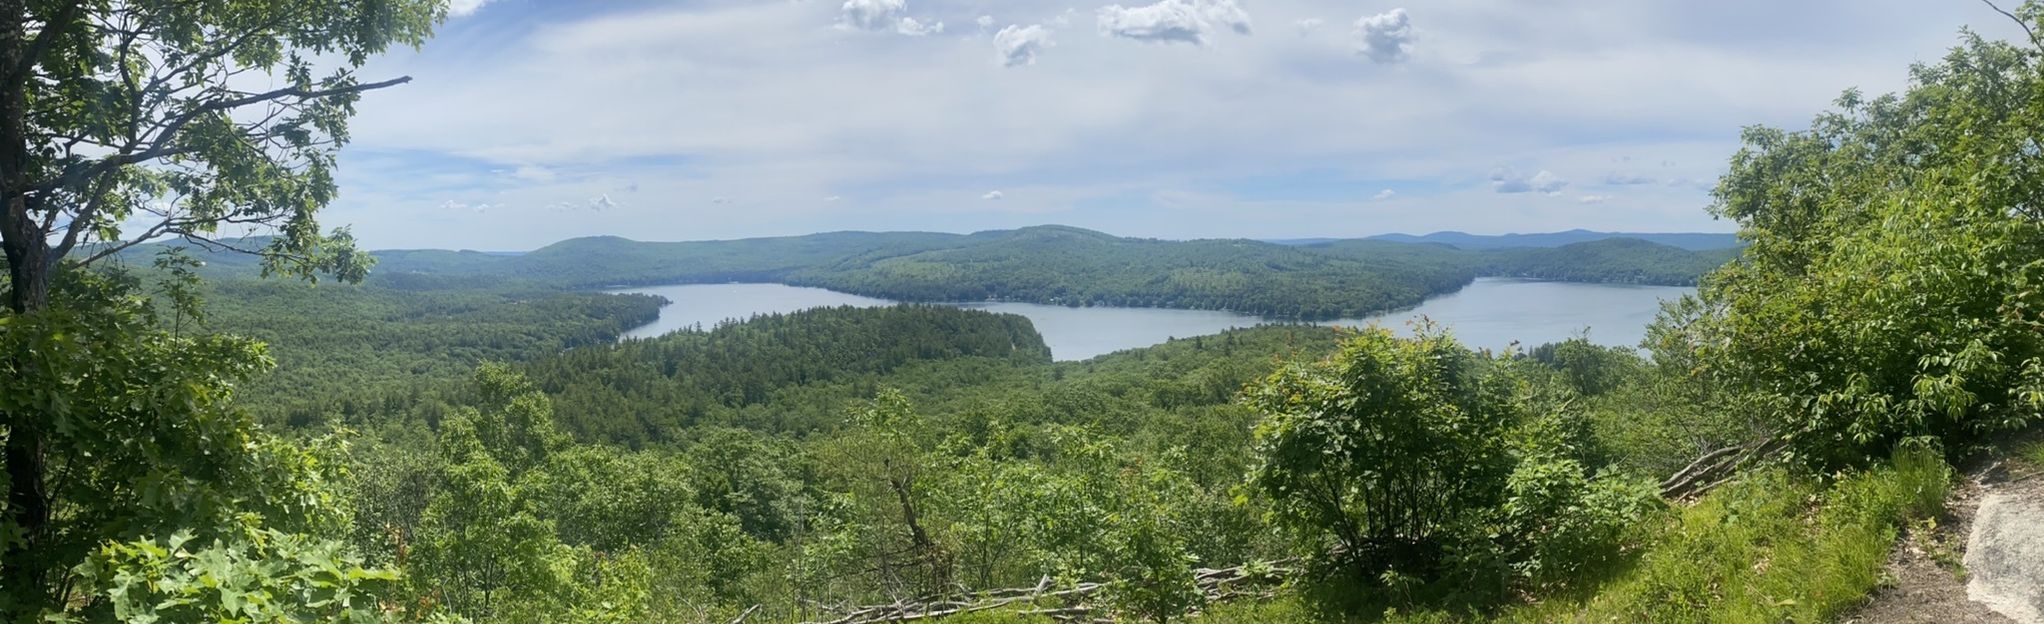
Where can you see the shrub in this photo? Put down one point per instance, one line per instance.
(1891, 285)
(1431, 472)
(1379, 456)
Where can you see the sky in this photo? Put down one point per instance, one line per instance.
(532, 121)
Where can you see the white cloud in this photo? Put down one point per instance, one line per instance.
(720, 200)
(599, 203)
(872, 14)
(991, 195)
(1167, 21)
(909, 26)
(833, 198)
(460, 8)
(984, 21)
(1384, 194)
(460, 205)
(1509, 181)
(1592, 199)
(883, 15)
(1309, 25)
(1626, 179)
(1386, 37)
(1018, 45)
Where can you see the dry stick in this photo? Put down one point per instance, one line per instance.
(748, 613)
(1717, 468)
(1699, 464)
(1216, 584)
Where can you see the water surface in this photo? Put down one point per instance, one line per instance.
(1489, 313)
(705, 305)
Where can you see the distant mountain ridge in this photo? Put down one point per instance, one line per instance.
(1692, 241)
(1063, 265)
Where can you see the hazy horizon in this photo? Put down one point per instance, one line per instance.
(1269, 239)
(528, 122)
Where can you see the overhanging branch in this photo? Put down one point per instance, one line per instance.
(2039, 43)
(162, 145)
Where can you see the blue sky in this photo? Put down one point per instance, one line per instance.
(530, 121)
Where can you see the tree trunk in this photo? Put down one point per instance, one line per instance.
(28, 262)
(23, 570)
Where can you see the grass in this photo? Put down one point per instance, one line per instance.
(1771, 548)
(2033, 453)
(1774, 548)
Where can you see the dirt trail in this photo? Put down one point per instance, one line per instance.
(1932, 567)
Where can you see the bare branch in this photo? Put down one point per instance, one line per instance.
(154, 231)
(2039, 43)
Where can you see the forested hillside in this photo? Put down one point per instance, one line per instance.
(1692, 241)
(1611, 261)
(651, 391)
(1071, 266)
(340, 349)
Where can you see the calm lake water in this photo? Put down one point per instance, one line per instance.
(1492, 312)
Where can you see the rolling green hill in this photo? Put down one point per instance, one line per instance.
(1693, 241)
(1050, 264)
(1613, 260)
(1071, 266)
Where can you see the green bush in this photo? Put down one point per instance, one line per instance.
(1891, 288)
(1432, 474)
(1381, 456)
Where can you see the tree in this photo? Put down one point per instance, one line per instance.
(1378, 455)
(142, 441)
(1419, 464)
(1891, 288)
(113, 112)
(480, 543)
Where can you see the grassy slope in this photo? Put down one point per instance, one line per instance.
(1771, 548)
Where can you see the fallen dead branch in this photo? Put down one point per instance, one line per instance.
(1718, 468)
(1071, 605)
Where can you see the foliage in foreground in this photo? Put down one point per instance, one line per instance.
(1420, 468)
(1894, 286)
(143, 442)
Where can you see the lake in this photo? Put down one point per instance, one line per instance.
(1491, 312)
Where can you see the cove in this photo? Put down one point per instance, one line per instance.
(1489, 313)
